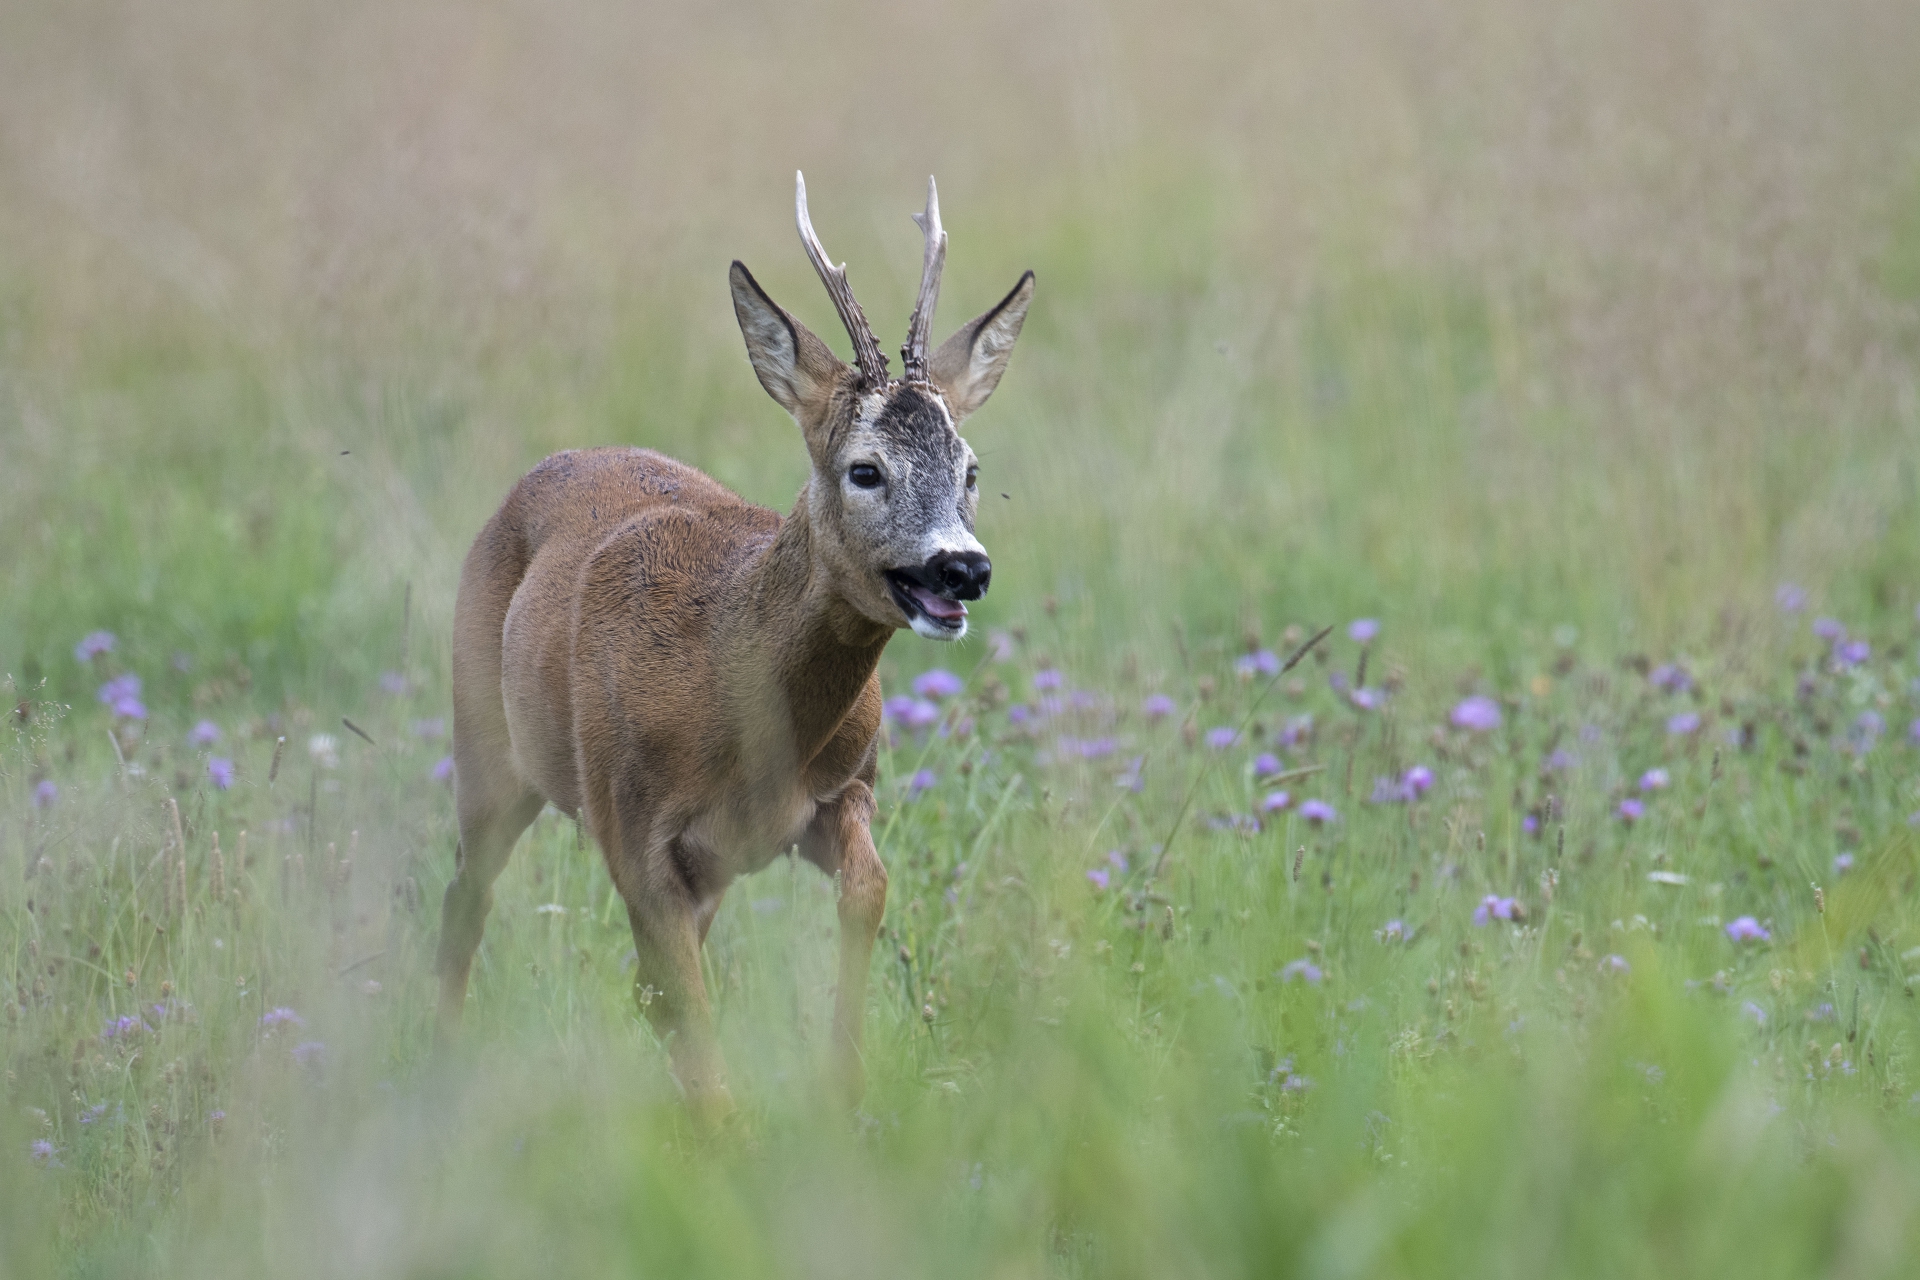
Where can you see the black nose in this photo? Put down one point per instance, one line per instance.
(962, 575)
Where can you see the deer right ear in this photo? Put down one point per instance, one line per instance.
(798, 370)
(967, 367)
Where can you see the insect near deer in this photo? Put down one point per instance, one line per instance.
(695, 677)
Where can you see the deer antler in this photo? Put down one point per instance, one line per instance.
(920, 327)
(866, 350)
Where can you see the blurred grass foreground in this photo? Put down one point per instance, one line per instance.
(1555, 917)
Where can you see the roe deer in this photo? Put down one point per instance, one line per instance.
(694, 676)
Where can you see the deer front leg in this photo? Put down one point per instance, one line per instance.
(667, 930)
(841, 841)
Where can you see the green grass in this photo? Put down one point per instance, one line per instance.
(1348, 315)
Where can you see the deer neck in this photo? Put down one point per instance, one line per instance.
(819, 651)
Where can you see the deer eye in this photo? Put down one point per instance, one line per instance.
(864, 475)
(973, 477)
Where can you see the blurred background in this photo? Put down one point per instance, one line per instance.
(1467, 315)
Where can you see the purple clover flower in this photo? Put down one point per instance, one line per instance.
(1295, 731)
(1262, 662)
(443, 769)
(1368, 699)
(1417, 781)
(204, 734)
(911, 713)
(1157, 706)
(1047, 679)
(1100, 878)
(1117, 860)
(1747, 929)
(1301, 970)
(1842, 863)
(922, 780)
(279, 1017)
(1266, 764)
(42, 1152)
(1670, 677)
(1392, 931)
(125, 1025)
(1275, 802)
(1852, 653)
(220, 770)
(93, 644)
(1363, 630)
(1631, 810)
(1478, 714)
(1318, 812)
(1615, 964)
(1789, 598)
(1684, 723)
(120, 687)
(1494, 907)
(45, 792)
(937, 683)
(1530, 823)
(1654, 780)
(1222, 738)
(1829, 629)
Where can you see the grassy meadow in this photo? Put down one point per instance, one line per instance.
(1556, 915)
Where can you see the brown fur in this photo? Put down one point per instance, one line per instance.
(695, 677)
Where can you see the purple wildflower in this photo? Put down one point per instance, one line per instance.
(1654, 780)
(1684, 723)
(310, 1053)
(922, 780)
(1222, 738)
(1755, 1012)
(910, 713)
(1266, 764)
(1019, 713)
(1295, 731)
(1338, 682)
(121, 686)
(394, 683)
(1275, 801)
(1046, 679)
(999, 645)
(1478, 714)
(431, 729)
(1301, 970)
(93, 644)
(1789, 598)
(1131, 779)
(1392, 931)
(1099, 878)
(281, 1016)
(42, 1151)
(938, 683)
(1494, 907)
(93, 1113)
(1385, 791)
(443, 769)
(1866, 730)
(1842, 863)
(1559, 761)
(1530, 824)
(1852, 653)
(45, 792)
(1671, 678)
(1368, 699)
(1363, 630)
(1417, 781)
(204, 734)
(1261, 662)
(1747, 929)
(1829, 629)
(1318, 812)
(1157, 705)
(1631, 810)
(1117, 860)
(220, 770)
(1615, 964)
(124, 1025)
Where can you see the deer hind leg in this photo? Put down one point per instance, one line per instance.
(841, 841)
(669, 925)
(494, 807)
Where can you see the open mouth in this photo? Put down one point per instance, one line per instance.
(918, 602)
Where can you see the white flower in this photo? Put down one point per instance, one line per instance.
(325, 750)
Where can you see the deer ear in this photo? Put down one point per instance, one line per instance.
(798, 370)
(967, 367)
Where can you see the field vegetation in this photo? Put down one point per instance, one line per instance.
(1554, 915)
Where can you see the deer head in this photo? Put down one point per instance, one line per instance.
(893, 494)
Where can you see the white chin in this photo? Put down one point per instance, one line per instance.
(927, 629)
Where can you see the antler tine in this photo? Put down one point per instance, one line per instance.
(920, 327)
(866, 349)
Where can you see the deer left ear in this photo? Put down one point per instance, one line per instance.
(967, 367)
(797, 369)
